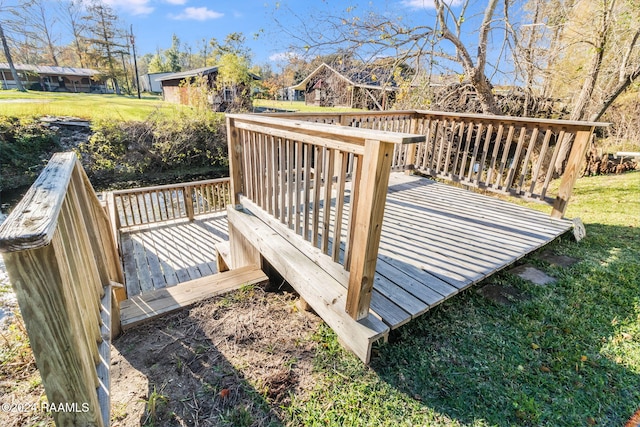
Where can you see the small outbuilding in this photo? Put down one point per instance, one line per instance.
(176, 88)
(53, 79)
(370, 88)
(151, 82)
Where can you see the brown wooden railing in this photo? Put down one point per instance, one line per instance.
(62, 263)
(148, 205)
(296, 173)
(505, 155)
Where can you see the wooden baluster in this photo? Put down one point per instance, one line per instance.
(494, 155)
(505, 156)
(319, 161)
(307, 185)
(540, 162)
(341, 168)
(525, 164)
(326, 213)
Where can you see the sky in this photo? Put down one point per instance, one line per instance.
(154, 21)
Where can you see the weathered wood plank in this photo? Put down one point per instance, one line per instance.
(150, 305)
(32, 222)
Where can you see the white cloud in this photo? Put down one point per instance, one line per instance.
(135, 7)
(428, 4)
(282, 56)
(178, 2)
(196, 14)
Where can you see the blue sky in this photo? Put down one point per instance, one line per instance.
(154, 21)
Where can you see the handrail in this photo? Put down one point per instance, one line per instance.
(502, 154)
(161, 203)
(62, 261)
(297, 172)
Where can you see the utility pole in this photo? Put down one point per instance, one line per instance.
(135, 61)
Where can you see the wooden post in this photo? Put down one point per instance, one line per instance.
(54, 324)
(571, 171)
(236, 171)
(377, 160)
(410, 159)
(243, 253)
(188, 202)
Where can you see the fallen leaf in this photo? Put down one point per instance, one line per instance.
(591, 421)
(534, 346)
(583, 358)
(545, 369)
(224, 393)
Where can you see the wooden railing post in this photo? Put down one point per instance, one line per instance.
(377, 160)
(188, 202)
(410, 159)
(571, 172)
(236, 164)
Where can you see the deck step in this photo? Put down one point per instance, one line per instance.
(223, 255)
(316, 286)
(148, 306)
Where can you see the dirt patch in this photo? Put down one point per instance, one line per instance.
(235, 360)
(503, 295)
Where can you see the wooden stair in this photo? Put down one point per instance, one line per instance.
(150, 305)
(325, 294)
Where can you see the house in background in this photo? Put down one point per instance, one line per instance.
(151, 82)
(175, 89)
(53, 79)
(370, 88)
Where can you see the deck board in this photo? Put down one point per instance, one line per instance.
(166, 254)
(436, 241)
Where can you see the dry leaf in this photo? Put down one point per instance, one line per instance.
(224, 393)
(545, 369)
(534, 346)
(583, 358)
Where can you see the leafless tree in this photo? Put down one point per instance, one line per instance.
(374, 34)
(42, 20)
(72, 13)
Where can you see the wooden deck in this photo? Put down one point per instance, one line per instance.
(157, 256)
(436, 241)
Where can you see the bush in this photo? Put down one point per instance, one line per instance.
(25, 145)
(159, 144)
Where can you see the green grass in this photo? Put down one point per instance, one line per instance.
(87, 106)
(567, 356)
(298, 106)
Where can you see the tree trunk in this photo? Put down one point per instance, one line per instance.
(581, 104)
(7, 55)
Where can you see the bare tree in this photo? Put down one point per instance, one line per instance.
(375, 34)
(72, 13)
(42, 20)
(7, 55)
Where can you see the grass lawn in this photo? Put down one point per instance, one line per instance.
(298, 106)
(83, 105)
(569, 355)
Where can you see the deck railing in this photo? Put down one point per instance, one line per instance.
(296, 173)
(149, 205)
(501, 154)
(62, 262)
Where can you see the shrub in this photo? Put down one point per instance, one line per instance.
(25, 144)
(185, 142)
